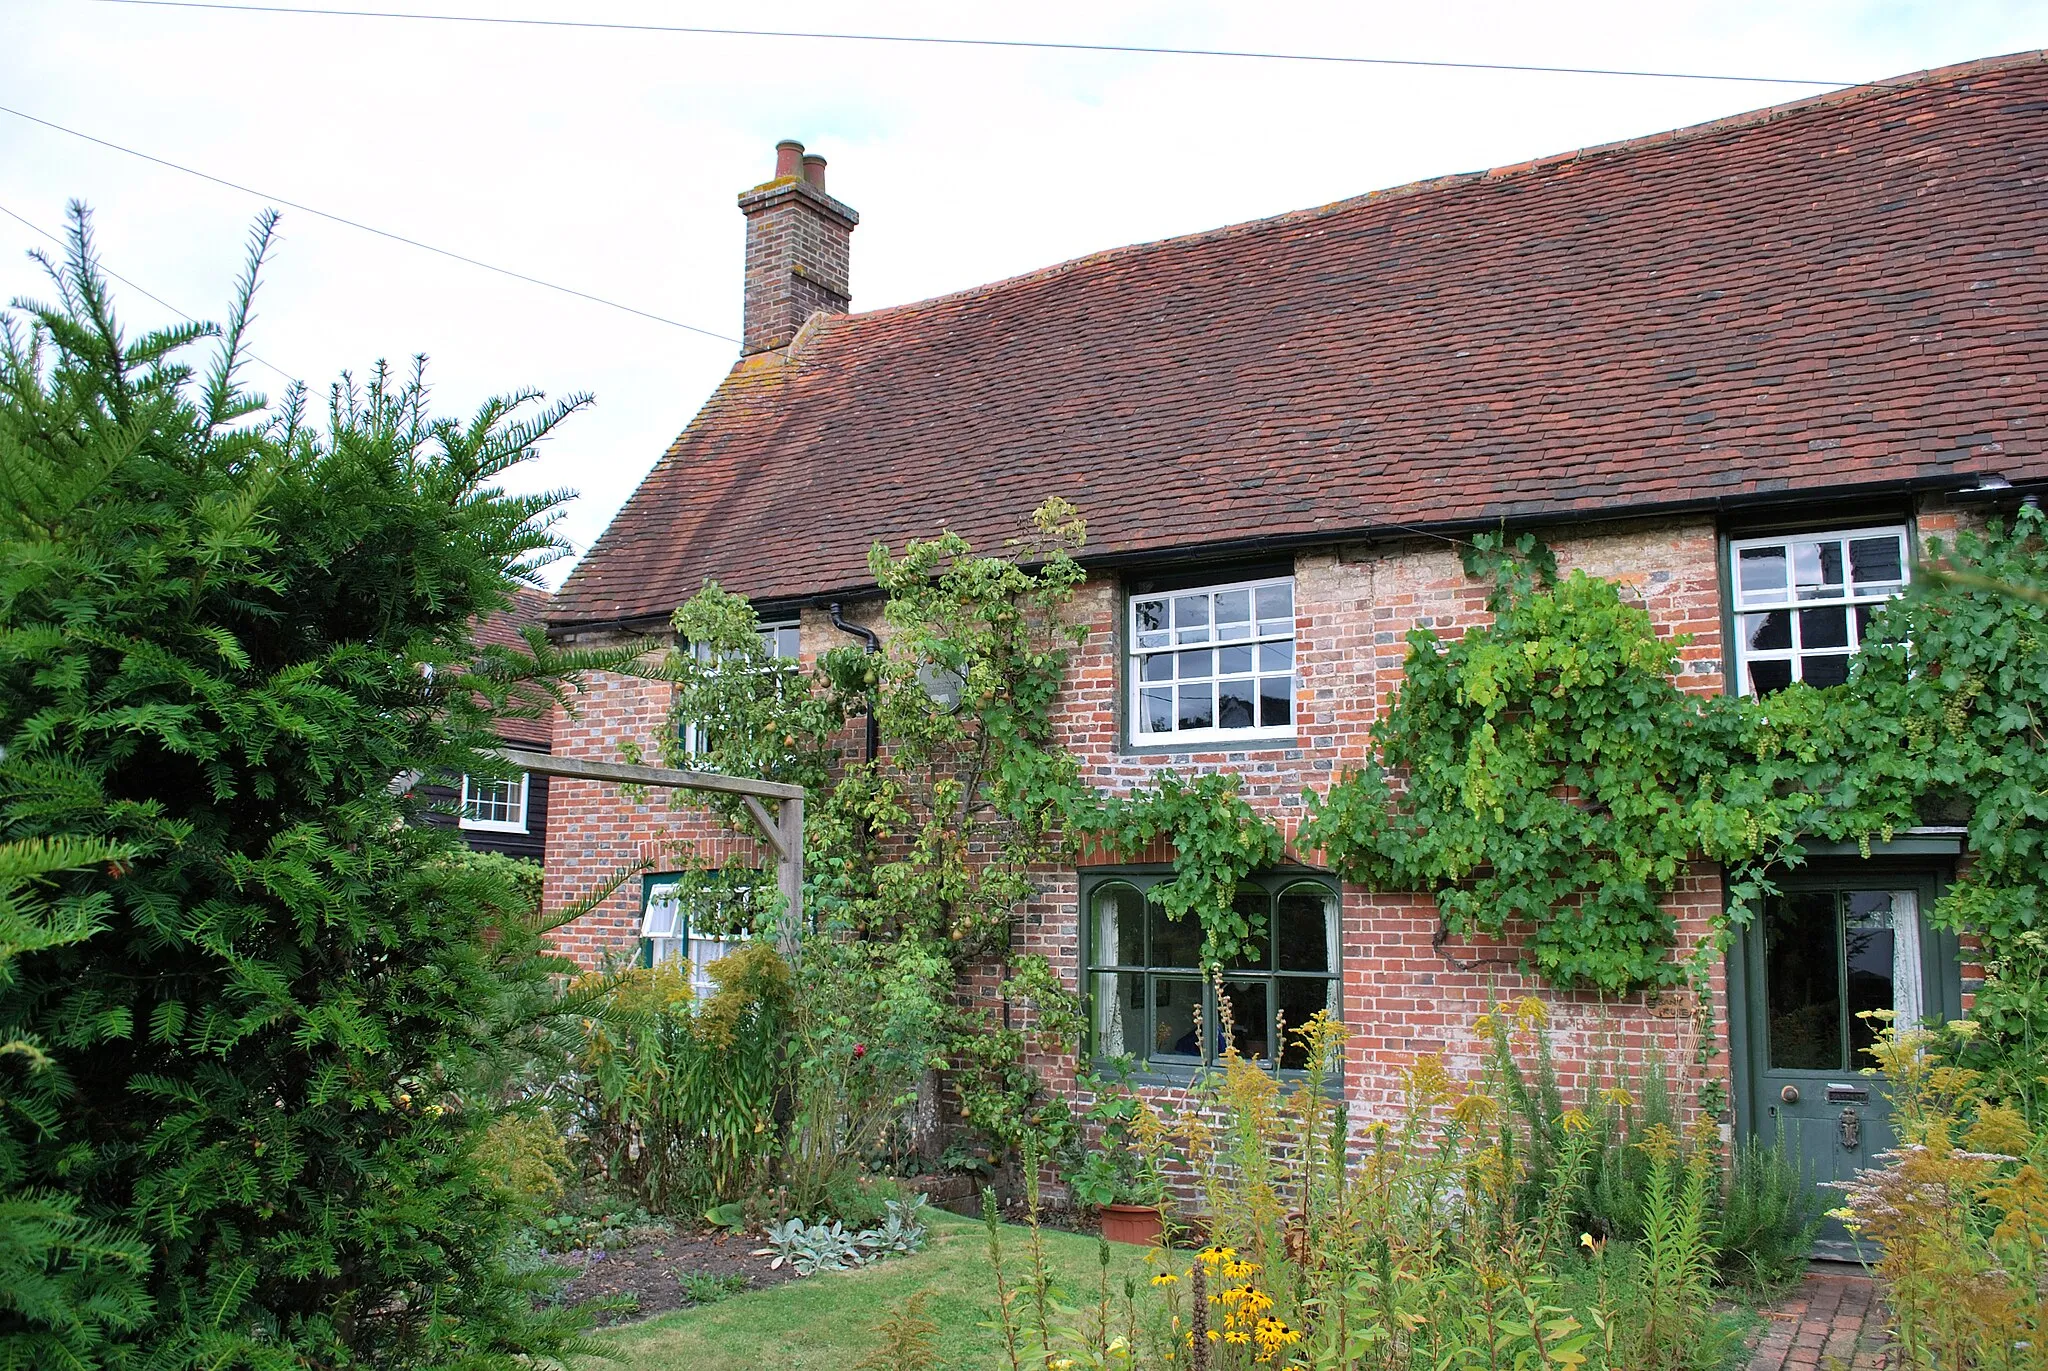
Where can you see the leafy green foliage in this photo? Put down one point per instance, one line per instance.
(682, 1095)
(1218, 840)
(221, 639)
(1551, 770)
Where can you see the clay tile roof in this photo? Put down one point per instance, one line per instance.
(503, 627)
(1848, 290)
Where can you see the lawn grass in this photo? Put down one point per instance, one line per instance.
(827, 1322)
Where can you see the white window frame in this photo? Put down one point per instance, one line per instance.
(468, 818)
(665, 928)
(693, 734)
(1136, 653)
(1745, 603)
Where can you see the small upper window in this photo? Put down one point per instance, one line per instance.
(494, 805)
(1214, 663)
(782, 641)
(672, 930)
(1802, 604)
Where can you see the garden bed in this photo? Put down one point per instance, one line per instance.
(652, 1271)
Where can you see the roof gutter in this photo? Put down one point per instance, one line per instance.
(1968, 486)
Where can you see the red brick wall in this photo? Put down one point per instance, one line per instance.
(597, 833)
(1402, 997)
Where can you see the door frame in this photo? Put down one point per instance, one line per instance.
(1900, 865)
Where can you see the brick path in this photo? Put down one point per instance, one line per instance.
(1832, 1322)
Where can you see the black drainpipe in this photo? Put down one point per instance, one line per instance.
(874, 644)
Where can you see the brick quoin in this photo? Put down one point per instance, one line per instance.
(1402, 997)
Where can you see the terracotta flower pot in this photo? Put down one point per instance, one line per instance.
(1132, 1223)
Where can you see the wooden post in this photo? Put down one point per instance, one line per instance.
(789, 875)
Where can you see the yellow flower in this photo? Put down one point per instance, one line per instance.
(1530, 1013)
(1618, 1097)
(1482, 1027)
(1575, 1121)
(1165, 1278)
(1474, 1109)
(1235, 1335)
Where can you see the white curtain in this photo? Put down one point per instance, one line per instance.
(1908, 1001)
(1109, 1015)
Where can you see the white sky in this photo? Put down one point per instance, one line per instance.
(609, 162)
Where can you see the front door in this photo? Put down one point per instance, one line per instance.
(1818, 956)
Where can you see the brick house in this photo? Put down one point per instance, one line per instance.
(496, 814)
(1742, 368)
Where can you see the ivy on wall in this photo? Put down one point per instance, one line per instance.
(1546, 768)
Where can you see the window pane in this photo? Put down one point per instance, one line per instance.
(1158, 667)
(1276, 701)
(1119, 927)
(1765, 632)
(1191, 618)
(1308, 928)
(1823, 671)
(1175, 942)
(1765, 677)
(1234, 614)
(1817, 570)
(1234, 661)
(1761, 571)
(1802, 977)
(1198, 706)
(1864, 614)
(663, 907)
(1869, 938)
(1276, 608)
(1196, 666)
(1824, 627)
(1276, 656)
(1149, 615)
(781, 640)
(1875, 560)
(1176, 1016)
(1234, 704)
(1253, 902)
(1251, 1018)
(1300, 997)
(1120, 1013)
(1156, 710)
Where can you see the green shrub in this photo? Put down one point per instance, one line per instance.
(860, 1201)
(1768, 1218)
(223, 637)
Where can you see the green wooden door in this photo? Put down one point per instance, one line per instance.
(1829, 948)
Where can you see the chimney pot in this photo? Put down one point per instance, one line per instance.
(798, 240)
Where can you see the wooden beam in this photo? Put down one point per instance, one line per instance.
(619, 773)
(771, 829)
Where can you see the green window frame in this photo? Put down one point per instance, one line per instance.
(1150, 999)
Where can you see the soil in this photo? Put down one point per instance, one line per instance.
(650, 1271)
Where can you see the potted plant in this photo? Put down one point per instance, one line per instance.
(1115, 1177)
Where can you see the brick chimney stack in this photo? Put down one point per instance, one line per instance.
(798, 239)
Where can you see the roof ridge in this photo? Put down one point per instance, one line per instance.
(1664, 137)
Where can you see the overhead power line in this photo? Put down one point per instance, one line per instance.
(368, 228)
(1042, 45)
(146, 294)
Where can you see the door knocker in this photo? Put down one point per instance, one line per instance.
(1852, 1129)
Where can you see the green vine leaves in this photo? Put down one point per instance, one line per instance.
(1549, 762)
(1547, 769)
